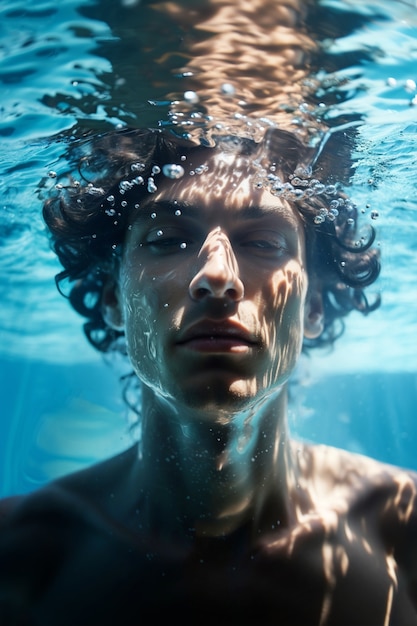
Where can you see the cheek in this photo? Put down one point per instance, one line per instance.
(150, 307)
(285, 290)
(140, 308)
(284, 308)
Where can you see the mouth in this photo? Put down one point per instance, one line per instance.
(214, 338)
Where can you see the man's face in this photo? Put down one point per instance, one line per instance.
(212, 287)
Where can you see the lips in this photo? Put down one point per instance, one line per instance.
(214, 337)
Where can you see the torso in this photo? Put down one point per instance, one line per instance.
(347, 558)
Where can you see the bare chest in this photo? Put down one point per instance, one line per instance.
(310, 577)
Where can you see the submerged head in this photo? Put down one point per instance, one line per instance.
(216, 265)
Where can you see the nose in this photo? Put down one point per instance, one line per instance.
(218, 277)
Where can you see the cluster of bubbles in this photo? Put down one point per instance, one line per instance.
(188, 117)
(173, 171)
(301, 186)
(169, 170)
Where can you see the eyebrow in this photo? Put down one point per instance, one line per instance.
(191, 210)
(259, 212)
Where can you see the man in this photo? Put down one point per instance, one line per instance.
(210, 267)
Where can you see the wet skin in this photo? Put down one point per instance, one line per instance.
(212, 291)
(216, 517)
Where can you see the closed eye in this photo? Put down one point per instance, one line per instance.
(260, 243)
(266, 244)
(167, 240)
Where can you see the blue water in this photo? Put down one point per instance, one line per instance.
(74, 65)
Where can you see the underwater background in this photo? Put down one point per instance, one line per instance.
(72, 66)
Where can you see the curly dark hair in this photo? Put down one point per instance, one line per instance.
(88, 214)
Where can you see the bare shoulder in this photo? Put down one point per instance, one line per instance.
(41, 532)
(377, 498)
(71, 496)
(8, 506)
(336, 472)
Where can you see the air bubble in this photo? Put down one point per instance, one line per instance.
(183, 245)
(153, 216)
(156, 169)
(110, 199)
(319, 188)
(350, 221)
(159, 233)
(52, 174)
(125, 185)
(191, 97)
(319, 219)
(177, 213)
(172, 170)
(95, 191)
(374, 215)
(391, 82)
(123, 204)
(110, 212)
(151, 185)
(227, 89)
(137, 167)
(410, 85)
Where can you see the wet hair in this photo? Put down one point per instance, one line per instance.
(89, 212)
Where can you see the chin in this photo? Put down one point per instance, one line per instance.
(219, 400)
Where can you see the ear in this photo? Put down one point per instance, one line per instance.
(111, 308)
(313, 313)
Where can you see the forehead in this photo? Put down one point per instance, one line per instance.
(221, 182)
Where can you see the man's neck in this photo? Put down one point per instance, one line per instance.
(210, 477)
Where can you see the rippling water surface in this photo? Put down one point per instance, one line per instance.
(70, 66)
